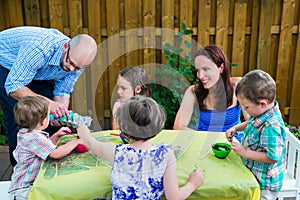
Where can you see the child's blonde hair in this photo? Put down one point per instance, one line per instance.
(140, 118)
(31, 110)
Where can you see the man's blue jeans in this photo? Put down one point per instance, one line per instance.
(7, 104)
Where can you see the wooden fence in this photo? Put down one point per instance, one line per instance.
(258, 34)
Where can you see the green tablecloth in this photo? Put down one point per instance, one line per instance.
(83, 176)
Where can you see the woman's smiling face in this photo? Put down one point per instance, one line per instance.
(207, 71)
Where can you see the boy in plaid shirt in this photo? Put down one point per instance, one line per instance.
(263, 145)
(34, 145)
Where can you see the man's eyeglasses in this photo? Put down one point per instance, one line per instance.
(69, 60)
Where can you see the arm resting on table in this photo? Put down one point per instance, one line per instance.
(64, 149)
(172, 190)
(103, 150)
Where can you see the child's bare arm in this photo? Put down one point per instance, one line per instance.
(62, 131)
(65, 149)
(115, 125)
(172, 190)
(185, 111)
(249, 154)
(103, 150)
(239, 127)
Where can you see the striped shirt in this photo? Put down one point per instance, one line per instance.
(32, 149)
(267, 133)
(34, 53)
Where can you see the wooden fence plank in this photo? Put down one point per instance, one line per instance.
(254, 35)
(75, 10)
(114, 52)
(79, 96)
(131, 37)
(186, 14)
(3, 21)
(264, 34)
(238, 47)
(94, 25)
(149, 13)
(56, 14)
(140, 22)
(94, 20)
(113, 27)
(177, 13)
(101, 72)
(204, 22)
(222, 24)
(167, 23)
(294, 118)
(285, 43)
(32, 12)
(44, 7)
(186, 19)
(99, 69)
(14, 13)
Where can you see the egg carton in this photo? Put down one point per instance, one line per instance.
(74, 121)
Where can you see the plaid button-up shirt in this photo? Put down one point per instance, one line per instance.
(32, 149)
(267, 133)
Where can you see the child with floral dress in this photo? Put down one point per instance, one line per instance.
(141, 170)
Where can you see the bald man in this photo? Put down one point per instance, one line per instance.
(37, 61)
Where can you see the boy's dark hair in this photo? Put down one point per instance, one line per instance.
(140, 118)
(257, 85)
(137, 76)
(31, 110)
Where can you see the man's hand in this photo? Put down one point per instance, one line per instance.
(58, 109)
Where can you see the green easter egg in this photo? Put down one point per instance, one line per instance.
(63, 118)
(71, 115)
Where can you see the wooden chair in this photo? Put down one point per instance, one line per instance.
(291, 183)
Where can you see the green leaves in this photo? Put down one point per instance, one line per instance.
(234, 64)
(185, 31)
(1, 118)
(293, 129)
(180, 58)
(2, 139)
(177, 58)
(188, 44)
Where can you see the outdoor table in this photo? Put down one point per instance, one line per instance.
(84, 176)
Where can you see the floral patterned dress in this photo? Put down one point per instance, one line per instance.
(138, 174)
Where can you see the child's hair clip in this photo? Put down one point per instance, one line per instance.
(124, 138)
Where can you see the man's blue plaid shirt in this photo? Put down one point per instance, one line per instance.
(34, 53)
